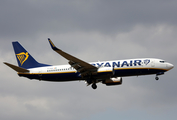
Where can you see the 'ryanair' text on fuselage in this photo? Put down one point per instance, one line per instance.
(127, 63)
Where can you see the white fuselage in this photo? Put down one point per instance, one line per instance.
(128, 67)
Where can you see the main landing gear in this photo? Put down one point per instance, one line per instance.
(94, 86)
(93, 82)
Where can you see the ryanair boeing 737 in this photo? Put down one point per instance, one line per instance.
(106, 72)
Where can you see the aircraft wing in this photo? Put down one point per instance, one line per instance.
(81, 66)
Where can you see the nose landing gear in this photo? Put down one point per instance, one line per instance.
(157, 78)
(160, 73)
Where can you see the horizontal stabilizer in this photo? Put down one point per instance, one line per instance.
(16, 68)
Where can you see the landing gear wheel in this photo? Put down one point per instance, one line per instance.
(94, 86)
(157, 78)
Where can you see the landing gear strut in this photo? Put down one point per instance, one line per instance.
(94, 86)
(160, 73)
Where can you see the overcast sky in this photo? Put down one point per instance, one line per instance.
(91, 30)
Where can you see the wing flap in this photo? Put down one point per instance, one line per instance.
(16, 68)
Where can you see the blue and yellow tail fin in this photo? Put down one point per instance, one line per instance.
(24, 59)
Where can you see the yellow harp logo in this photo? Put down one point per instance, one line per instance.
(22, 57)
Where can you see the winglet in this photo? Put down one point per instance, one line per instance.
(52, 45)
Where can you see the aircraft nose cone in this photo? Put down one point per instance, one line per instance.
(170, 66)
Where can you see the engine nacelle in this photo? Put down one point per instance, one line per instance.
(113, 81)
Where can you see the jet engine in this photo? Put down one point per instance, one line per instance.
(113, 81)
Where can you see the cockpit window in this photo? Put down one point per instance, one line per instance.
(162, 61)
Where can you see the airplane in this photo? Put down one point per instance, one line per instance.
(107, 72)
